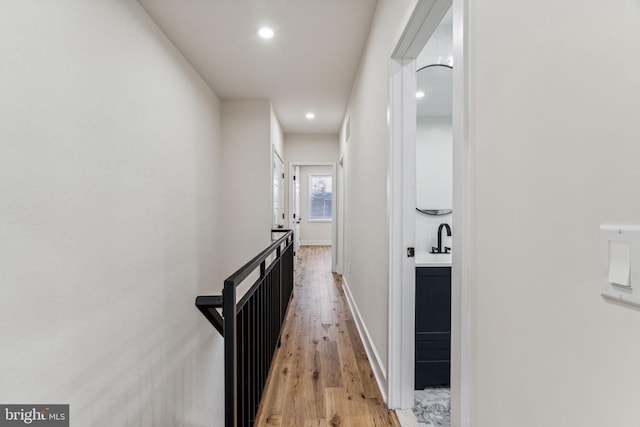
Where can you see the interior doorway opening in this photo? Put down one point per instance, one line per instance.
(419, 27)
(312, 205)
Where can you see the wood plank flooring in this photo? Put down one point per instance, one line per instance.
(321, 375)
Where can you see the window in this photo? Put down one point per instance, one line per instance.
(320, 197)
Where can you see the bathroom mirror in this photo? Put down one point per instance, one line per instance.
(434, 140)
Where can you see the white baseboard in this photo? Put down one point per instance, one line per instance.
(379, 372)
(315, 242)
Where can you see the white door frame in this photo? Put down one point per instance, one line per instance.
(334, 239)
(418, 26)
(339, 248)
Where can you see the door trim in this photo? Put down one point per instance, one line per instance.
(419, 24)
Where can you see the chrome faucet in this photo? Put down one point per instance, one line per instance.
(439, 250)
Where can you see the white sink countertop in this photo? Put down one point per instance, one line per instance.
(426, 259)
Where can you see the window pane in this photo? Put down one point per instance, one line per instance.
(320, 197)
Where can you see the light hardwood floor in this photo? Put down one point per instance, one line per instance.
(321, 375)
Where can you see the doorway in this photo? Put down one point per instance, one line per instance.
(419, 27)
(312, 207)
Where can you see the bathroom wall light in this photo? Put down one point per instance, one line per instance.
(310, 116)
(419, 94)
(265, 32)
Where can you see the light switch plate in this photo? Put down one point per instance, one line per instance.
(612, 236)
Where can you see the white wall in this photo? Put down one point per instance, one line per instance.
(555, 96)
(312, 232)
(434, 174)
(366, 229)
(109, 164)
(316, 147)
(247, 181)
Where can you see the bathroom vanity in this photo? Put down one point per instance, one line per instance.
(433, 320)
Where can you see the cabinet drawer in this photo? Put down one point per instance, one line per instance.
(433, 351)
(432, 374)
(433, 336)
(433, 271)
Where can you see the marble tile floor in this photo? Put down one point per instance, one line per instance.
(432, 407)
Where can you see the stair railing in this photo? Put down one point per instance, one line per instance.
(251, 327)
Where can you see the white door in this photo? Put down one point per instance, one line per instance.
(296, 210)
(278, 191)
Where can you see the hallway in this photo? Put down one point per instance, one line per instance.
(321, 375)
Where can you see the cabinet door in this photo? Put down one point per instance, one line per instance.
(433, 302)
(432, 374)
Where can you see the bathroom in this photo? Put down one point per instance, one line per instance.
(434, 227)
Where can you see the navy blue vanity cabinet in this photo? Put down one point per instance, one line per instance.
(433, 326)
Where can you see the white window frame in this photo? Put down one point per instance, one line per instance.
(327, 175)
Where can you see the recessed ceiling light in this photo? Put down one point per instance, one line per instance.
(310, 116)
(419, 94)
(265, 32)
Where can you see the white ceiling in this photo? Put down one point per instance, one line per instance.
(310, 64)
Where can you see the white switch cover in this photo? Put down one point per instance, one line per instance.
(619, 263)
(620, 255)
